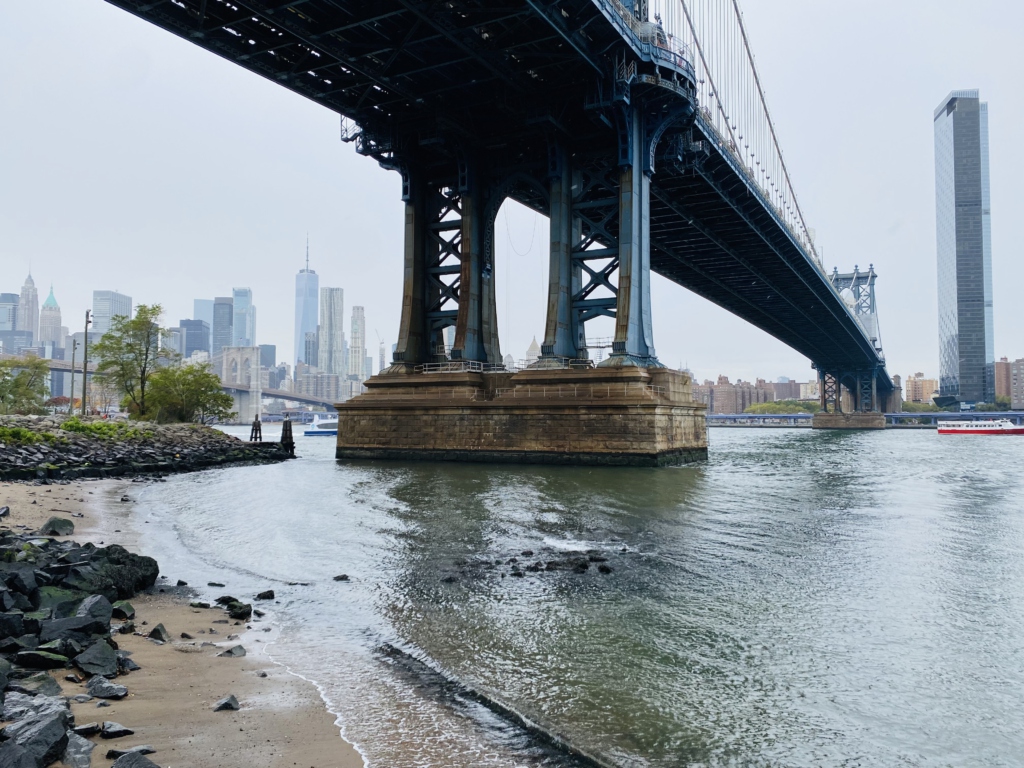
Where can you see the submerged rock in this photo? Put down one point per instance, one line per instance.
(266, 595)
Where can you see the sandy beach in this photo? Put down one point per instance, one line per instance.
(282, 720)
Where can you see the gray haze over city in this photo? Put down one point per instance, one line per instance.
(135, 161)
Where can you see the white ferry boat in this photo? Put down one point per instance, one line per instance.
(323, 424)
(989, 427)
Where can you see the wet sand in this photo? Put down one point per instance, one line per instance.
(282, 720)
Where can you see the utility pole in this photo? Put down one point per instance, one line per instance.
(85, 360)
(71, 400)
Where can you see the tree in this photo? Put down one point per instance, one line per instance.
(129, 354)
(909, 407)
(189, 393)
(23, 387)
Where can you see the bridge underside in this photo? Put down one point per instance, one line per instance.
(580, 110)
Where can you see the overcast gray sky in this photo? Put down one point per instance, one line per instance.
(133, 160)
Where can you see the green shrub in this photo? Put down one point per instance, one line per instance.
(108, 430)
(19, 436)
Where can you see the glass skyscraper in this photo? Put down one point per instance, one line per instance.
(964, 242)
(243, 330)
(307, 294)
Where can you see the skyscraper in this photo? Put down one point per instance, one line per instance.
(268, 355)
(223, 320)
(28, 308)
(357, 351)
(332, 331)
(963, 236)
(243, 331)
(307, 285)
(105, 306)
(195, 337)
(202, 309)
(50, 331)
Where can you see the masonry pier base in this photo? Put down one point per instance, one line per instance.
(590, 416)
(855, 420)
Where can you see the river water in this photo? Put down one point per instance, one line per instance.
(802, 599)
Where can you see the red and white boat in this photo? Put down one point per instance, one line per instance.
(990, 427)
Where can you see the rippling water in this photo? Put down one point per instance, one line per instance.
(803, 599)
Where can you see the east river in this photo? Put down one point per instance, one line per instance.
(802, 599)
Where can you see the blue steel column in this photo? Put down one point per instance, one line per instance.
(561, 328)
(476, 328)
(633, 344)
(411, 348)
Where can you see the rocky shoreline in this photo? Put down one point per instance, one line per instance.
(59, 600)
(55, 447)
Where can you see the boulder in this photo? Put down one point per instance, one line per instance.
(112, 730)
(341, 577)
(57, 526)
(234, 651)
(97, 607)
(12, 624)
(62, 602)
(123, 610)
(41, 660)
(133, 760)
(19, 705)
(225, 600)
(78, 753)
(102, 688)
(159, 632)
(267, 595)
(89, 729)
(39, 684)
(81, 629)
(239, 611)
(228, 702)
(44, 736)
(14, 756)
(98, 659)
(19, 577)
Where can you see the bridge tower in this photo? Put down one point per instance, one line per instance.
(849, 396)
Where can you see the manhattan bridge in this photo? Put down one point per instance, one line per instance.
(639, 128)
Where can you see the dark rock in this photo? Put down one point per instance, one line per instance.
(233, 651)
(57, 526)
(581, 566)
(258, 613)
(527, 553)
(225, 600)
(41, 660)
(102, 688)
(125, 663)
(39, 684)
(127, 628)
(97, 607)
(182, 583)
(159, 633)
(597, 558)
(228, 702)
(44, 736)
(123, 610)
(102, 704)
(78, 753)
(89, 729)
(19, 705)
(142, 749)
(12, 624)
(133, 760)
(199, 605)
(62, 602)
(81, 629)
(81, 698)
(186, 636)
(214, 584)
(602, 568)
(99, 659)
(19, 577)
(5, 511)
(239, 611)
(112, 730)
(14, 756)
(267, 595)
(73, 678)
(342, 577)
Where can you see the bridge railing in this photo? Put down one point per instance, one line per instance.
(654, 39)
(460, 366)
(589, 391)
